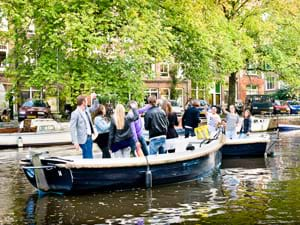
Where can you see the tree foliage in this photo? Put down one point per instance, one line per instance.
(107, 46)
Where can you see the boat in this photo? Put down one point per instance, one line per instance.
(254, 145)
(288, 127)
(192, 159)
(9, 127)
(259, 124)
(36, 132)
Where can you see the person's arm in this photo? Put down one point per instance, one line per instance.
(132, 116)
(112, 133)
(144, 109)
(147, 121)
(73, 129)
(102, 125)
(182, 119)
(176, 119)
(94, 106)
(224, 110)
(237, 119)
(133, 131)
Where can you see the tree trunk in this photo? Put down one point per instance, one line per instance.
(232, 89)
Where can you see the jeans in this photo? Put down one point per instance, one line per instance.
(231, 134)
(188, 132)
(87, 148)
(132, 147)
(122, 153)
(158, 145)
(143, 145)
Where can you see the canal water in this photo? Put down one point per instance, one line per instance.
(243, 191)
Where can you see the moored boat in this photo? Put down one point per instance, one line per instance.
(192, 159)
(40, 132)
(288, 127)
(254, 145)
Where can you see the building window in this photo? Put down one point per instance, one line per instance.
(270, 83)
(179, 96)
(3, 54)
(252, 90)
(3, 23)
(165, 93)
(149, 92)
(164, 70)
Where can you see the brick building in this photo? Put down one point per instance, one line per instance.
(160, 83)
(253, 83)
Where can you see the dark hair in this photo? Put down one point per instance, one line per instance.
(80, 99)
(152, 99)
(100, 110)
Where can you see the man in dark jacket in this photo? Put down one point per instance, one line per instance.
(156, 122)
(191, 119)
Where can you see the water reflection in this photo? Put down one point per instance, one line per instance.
(244, 191)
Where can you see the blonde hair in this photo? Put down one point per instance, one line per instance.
(119, 116)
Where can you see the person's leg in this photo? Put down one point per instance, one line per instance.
(126, 152)
(162, 145)
(132, 147)
(229, 134)
(192, 132)
(90, 147)
(105, 153)
(118, 154)
(234, 135)
(144, 145)
(186, 132)
(153, 147)
(87, 149)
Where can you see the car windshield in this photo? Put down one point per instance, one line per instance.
(294, 103)
(34, 103)
(203, 103)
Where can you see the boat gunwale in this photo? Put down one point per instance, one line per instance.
(161, 159)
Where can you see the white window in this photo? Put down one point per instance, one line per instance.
(31, 28)
(3, 24)
(3, 55)
(252, 90)
(180, 96)
(180, 72)
(164, 70)
(151, 91)
(270, 83)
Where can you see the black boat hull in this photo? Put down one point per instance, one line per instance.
(244, 150)
(105, 179)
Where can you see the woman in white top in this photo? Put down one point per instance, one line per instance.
(213, 120)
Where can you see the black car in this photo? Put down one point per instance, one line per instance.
(259, 104)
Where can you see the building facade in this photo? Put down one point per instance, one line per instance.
(161, 83)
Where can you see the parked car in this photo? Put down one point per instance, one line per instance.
(259, 104)
(203, 103)
(280, 107)
(294, 107)
(239, 106)
(176, 107)
(33, 108)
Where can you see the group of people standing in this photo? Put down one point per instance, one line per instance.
(122, 135)
(191, 120)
